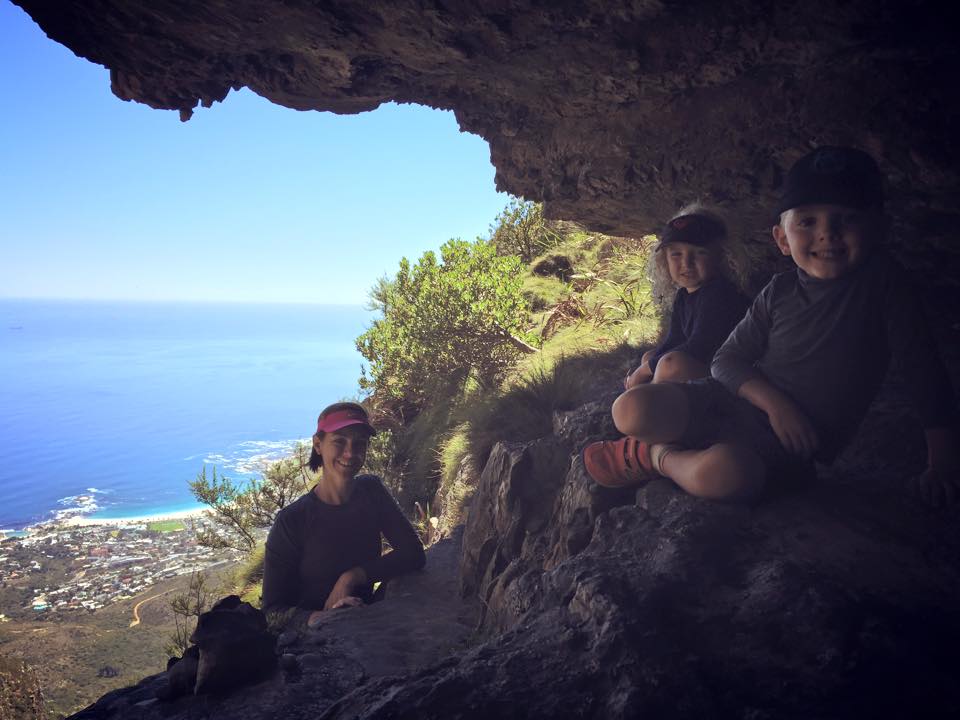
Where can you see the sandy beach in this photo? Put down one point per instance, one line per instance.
(136, 520)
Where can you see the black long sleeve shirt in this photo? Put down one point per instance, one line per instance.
(312, 543)
(827, 344)
(701, 320)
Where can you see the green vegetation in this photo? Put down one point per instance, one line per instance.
(521, 230)
(444, 323)
(241, 512)
(587, 307)
(188, 605)
(166, 526)
(482, 343)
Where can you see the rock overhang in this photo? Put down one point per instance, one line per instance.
(613, 113)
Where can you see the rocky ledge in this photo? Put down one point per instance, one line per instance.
(837, 598)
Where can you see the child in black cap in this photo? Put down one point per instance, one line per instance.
(694, 256)
(794, 379)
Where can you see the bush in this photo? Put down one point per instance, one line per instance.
(443, 322)
(188, 605)
(240, 512)
(522, 230)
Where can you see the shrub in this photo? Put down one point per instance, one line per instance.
(239, 512)
(188, 605)
(522, 230)
(443, 321)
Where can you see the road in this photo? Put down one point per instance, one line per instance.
(136, 608)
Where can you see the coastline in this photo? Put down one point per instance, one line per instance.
(86, 521)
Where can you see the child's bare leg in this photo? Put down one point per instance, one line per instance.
(677, 366)
(722, 471)
(652, 413)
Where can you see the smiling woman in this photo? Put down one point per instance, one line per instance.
(324, 550)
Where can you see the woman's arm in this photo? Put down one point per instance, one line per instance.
(407, 550)
(281, 561)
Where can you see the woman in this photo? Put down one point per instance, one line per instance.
(323, 551)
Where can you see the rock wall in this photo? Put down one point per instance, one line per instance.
(614, 113)
(840, 601)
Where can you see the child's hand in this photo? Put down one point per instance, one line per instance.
(791, 426)
(639, 376)
(936, 487)
(794, 430)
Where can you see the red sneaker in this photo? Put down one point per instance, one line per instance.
(618, 463)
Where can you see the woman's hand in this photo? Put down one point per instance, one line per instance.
(345, 588)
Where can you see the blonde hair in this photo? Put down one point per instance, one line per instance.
(731, 261)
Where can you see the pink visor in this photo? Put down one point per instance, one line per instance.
(344, 418)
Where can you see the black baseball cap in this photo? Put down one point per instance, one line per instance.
(833, 176)
(695, 229)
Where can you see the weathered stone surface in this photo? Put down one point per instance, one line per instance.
(615, 113)
(838, 602)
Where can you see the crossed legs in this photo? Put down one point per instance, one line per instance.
(660, 413)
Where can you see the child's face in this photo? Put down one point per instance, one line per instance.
(827, 241)
(690, 266)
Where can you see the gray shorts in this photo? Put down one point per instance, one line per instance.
(719, 416)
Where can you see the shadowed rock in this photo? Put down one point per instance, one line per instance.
(837, 602)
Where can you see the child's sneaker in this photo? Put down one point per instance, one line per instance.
(618, 463)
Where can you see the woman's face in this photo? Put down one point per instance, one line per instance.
(690, 266)
(343, 451)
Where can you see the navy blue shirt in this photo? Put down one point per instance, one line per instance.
(702, 320)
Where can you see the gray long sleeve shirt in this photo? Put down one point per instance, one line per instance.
(827, 344)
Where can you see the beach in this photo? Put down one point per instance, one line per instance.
(80, 521)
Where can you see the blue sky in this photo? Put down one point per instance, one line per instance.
(248, 201)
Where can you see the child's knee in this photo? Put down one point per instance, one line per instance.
(657, 413)
(728, 472)
(676, 366)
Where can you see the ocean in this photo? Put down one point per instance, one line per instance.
(109, 409)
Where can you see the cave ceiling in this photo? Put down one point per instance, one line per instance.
(612, 113)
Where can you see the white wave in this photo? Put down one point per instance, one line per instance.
(250, 457)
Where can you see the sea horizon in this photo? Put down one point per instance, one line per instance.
(109, 408)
